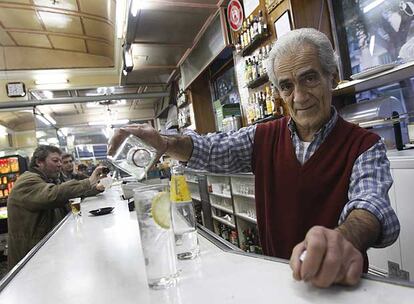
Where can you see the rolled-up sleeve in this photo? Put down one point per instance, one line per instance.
(222, 152)
(370, 181)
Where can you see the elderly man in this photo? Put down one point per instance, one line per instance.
(39, 201)
(321, 183)
(68, 167)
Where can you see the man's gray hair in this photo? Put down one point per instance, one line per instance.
(293, 41)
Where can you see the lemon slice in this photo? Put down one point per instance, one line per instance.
(160, 209)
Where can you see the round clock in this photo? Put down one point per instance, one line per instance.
(16, 89)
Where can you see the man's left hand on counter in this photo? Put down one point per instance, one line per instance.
(330, 259)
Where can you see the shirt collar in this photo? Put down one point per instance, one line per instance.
(324, 131)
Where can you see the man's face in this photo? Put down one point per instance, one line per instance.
(305, 88)
(67, 165)
(51, 166)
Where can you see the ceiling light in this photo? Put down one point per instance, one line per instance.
(128, 60)
(44, 120)
(372, 5)
(48, 94)
(52, 140)
(51, 80)
(49, 118)
(40, 134)
(97, 123)
(120, 18)
(3, 131)
(120, 122)
(137, 5)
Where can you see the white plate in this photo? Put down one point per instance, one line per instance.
(373, 70)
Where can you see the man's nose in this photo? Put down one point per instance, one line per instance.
(300, 93)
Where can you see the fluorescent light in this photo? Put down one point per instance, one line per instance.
(120, 18)
(105, 123)
(92, 104)
(49, 118)
(51, 80)
(52, 140)
(48, 94)
(3, 131)
(138, 5)
(97, 123)
(44, 120)
(128, 60)
(40, 134)
(120, 122)
(372, 45)
(372, 5)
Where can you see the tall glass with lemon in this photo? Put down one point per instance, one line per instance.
(153, 207)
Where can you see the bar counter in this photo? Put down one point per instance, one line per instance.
(99, 260)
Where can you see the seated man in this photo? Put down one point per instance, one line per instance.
(38, 201)
(68, 167)
(321, 183)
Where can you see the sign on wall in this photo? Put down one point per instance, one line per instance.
(235, 15)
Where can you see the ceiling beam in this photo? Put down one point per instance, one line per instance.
(72, 100)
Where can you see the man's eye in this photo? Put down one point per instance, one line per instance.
(311, 79)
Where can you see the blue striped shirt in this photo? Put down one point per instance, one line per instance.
(369, 183)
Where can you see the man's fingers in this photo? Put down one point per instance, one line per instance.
(116, 141)
(295, 263)
(316, 246)
(352, 270)
(331, 265)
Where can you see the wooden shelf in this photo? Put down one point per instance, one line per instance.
(254, 44)
(400, 72)
(258, 82)
(247, 218)
(266, 119)
(222, 208)
(244, 195)
(220, 195)
(223, 221)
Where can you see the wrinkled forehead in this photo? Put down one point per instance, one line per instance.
(292, 64)
(54, 156)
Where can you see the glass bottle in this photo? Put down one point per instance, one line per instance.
(183, 215)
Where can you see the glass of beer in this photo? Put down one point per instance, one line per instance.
(75, 206)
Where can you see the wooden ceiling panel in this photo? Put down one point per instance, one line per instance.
(100, 48)
(19, 19)
(102, 8)
(5, 38)
(100, 29)
(16, 1)
(67, 43)
(27, 39)
(61, 23)
(66, 4)
(22, 58)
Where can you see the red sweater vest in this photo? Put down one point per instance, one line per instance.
(290, 197)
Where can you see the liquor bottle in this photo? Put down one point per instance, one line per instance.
(252, 31)
(249, 38)
(254, 68)
(262, 23)
(183, 215)
(269, 104)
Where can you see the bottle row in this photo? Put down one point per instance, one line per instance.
(253, 26)
(265, 103)
(255, 65)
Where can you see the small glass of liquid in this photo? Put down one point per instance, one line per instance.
(134, 157)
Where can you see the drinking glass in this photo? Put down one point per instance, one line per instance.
(153, 207)
(134, 157)
(75, 206)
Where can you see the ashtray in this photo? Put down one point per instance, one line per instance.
(102, 211)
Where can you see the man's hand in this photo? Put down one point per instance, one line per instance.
(144, 131)
(96, 175)
(330, 259)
